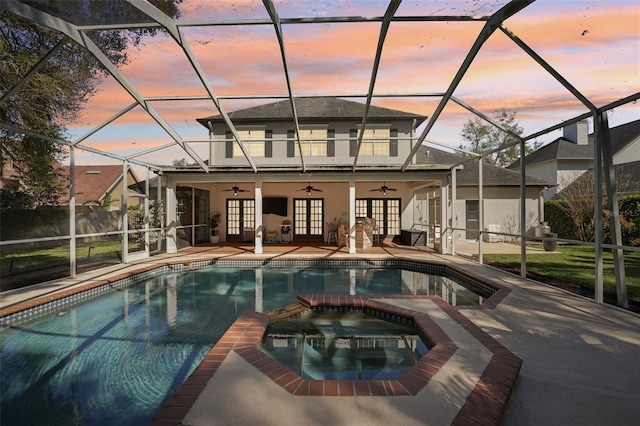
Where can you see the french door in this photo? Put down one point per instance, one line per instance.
(308, 217)
(386, 212)
(241, 219)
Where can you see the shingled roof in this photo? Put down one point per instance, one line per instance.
(627, 177)
(564, 149)
(92, 183)
(468, 176)
(313, 110)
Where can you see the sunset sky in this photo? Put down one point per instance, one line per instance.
(595, 45)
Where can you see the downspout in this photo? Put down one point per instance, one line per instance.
(412, 135)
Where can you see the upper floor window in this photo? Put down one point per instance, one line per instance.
(375, 142)
(313, 142)
(253, 141)
(257, 143)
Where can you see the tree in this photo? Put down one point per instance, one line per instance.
(483, 137)
(578, 202)
(50, 99)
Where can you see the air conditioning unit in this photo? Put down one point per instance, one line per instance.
(491, 238)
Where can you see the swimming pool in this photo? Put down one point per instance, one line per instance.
(117, 358)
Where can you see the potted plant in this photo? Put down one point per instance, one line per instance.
(550, 241)
(214, 221)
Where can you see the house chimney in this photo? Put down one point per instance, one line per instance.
(576, 133)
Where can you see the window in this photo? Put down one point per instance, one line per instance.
(375, 142)
(313, 142)
(253, 141)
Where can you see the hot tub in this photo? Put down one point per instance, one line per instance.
(351, 345)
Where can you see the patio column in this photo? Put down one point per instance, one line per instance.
(480, 210)
(170, 223)
(123, 213)
(454, 221)
(523, 211)
(352, 216)
(444, 211)
(259, 231)
(72, 212)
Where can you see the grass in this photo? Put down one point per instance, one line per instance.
(14, 262)
(574, 266)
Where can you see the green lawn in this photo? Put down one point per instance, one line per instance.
(574, 265)
(14, 262)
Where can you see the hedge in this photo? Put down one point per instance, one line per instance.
(561, 222)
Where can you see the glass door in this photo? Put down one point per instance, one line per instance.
(308, 217)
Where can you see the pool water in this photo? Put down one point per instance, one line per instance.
(116, 359)
(343, 346)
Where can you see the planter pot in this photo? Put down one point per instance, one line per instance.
(551, 243)
(215, 239)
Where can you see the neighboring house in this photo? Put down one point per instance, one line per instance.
(100, 186)
(500, 194)
(569, 156)
(96, 185)
(8, 176)
(627, 182)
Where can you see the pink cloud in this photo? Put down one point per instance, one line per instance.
(417, 57)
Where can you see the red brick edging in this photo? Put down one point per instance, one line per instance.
(484, 406)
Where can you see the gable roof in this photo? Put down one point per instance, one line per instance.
(627, 177)
(564, 149)
(313, 110)
(468, 176)
(92, 182)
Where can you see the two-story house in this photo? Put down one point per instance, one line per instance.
(310, 170)
(328, 171)
(568, 157)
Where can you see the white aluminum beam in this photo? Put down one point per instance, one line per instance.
(489, 28)
(586, 102)
(34, 69)
(170, 25)
(71, 31)
(275, 18)
(384, 28)
(105, 123)
(603, 135)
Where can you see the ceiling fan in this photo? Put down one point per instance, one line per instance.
(384, 188)
(310, 189)
(235, 189)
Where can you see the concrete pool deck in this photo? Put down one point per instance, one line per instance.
(580, 361)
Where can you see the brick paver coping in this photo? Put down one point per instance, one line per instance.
(484, 406)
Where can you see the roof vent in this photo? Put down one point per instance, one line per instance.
(94, 172)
